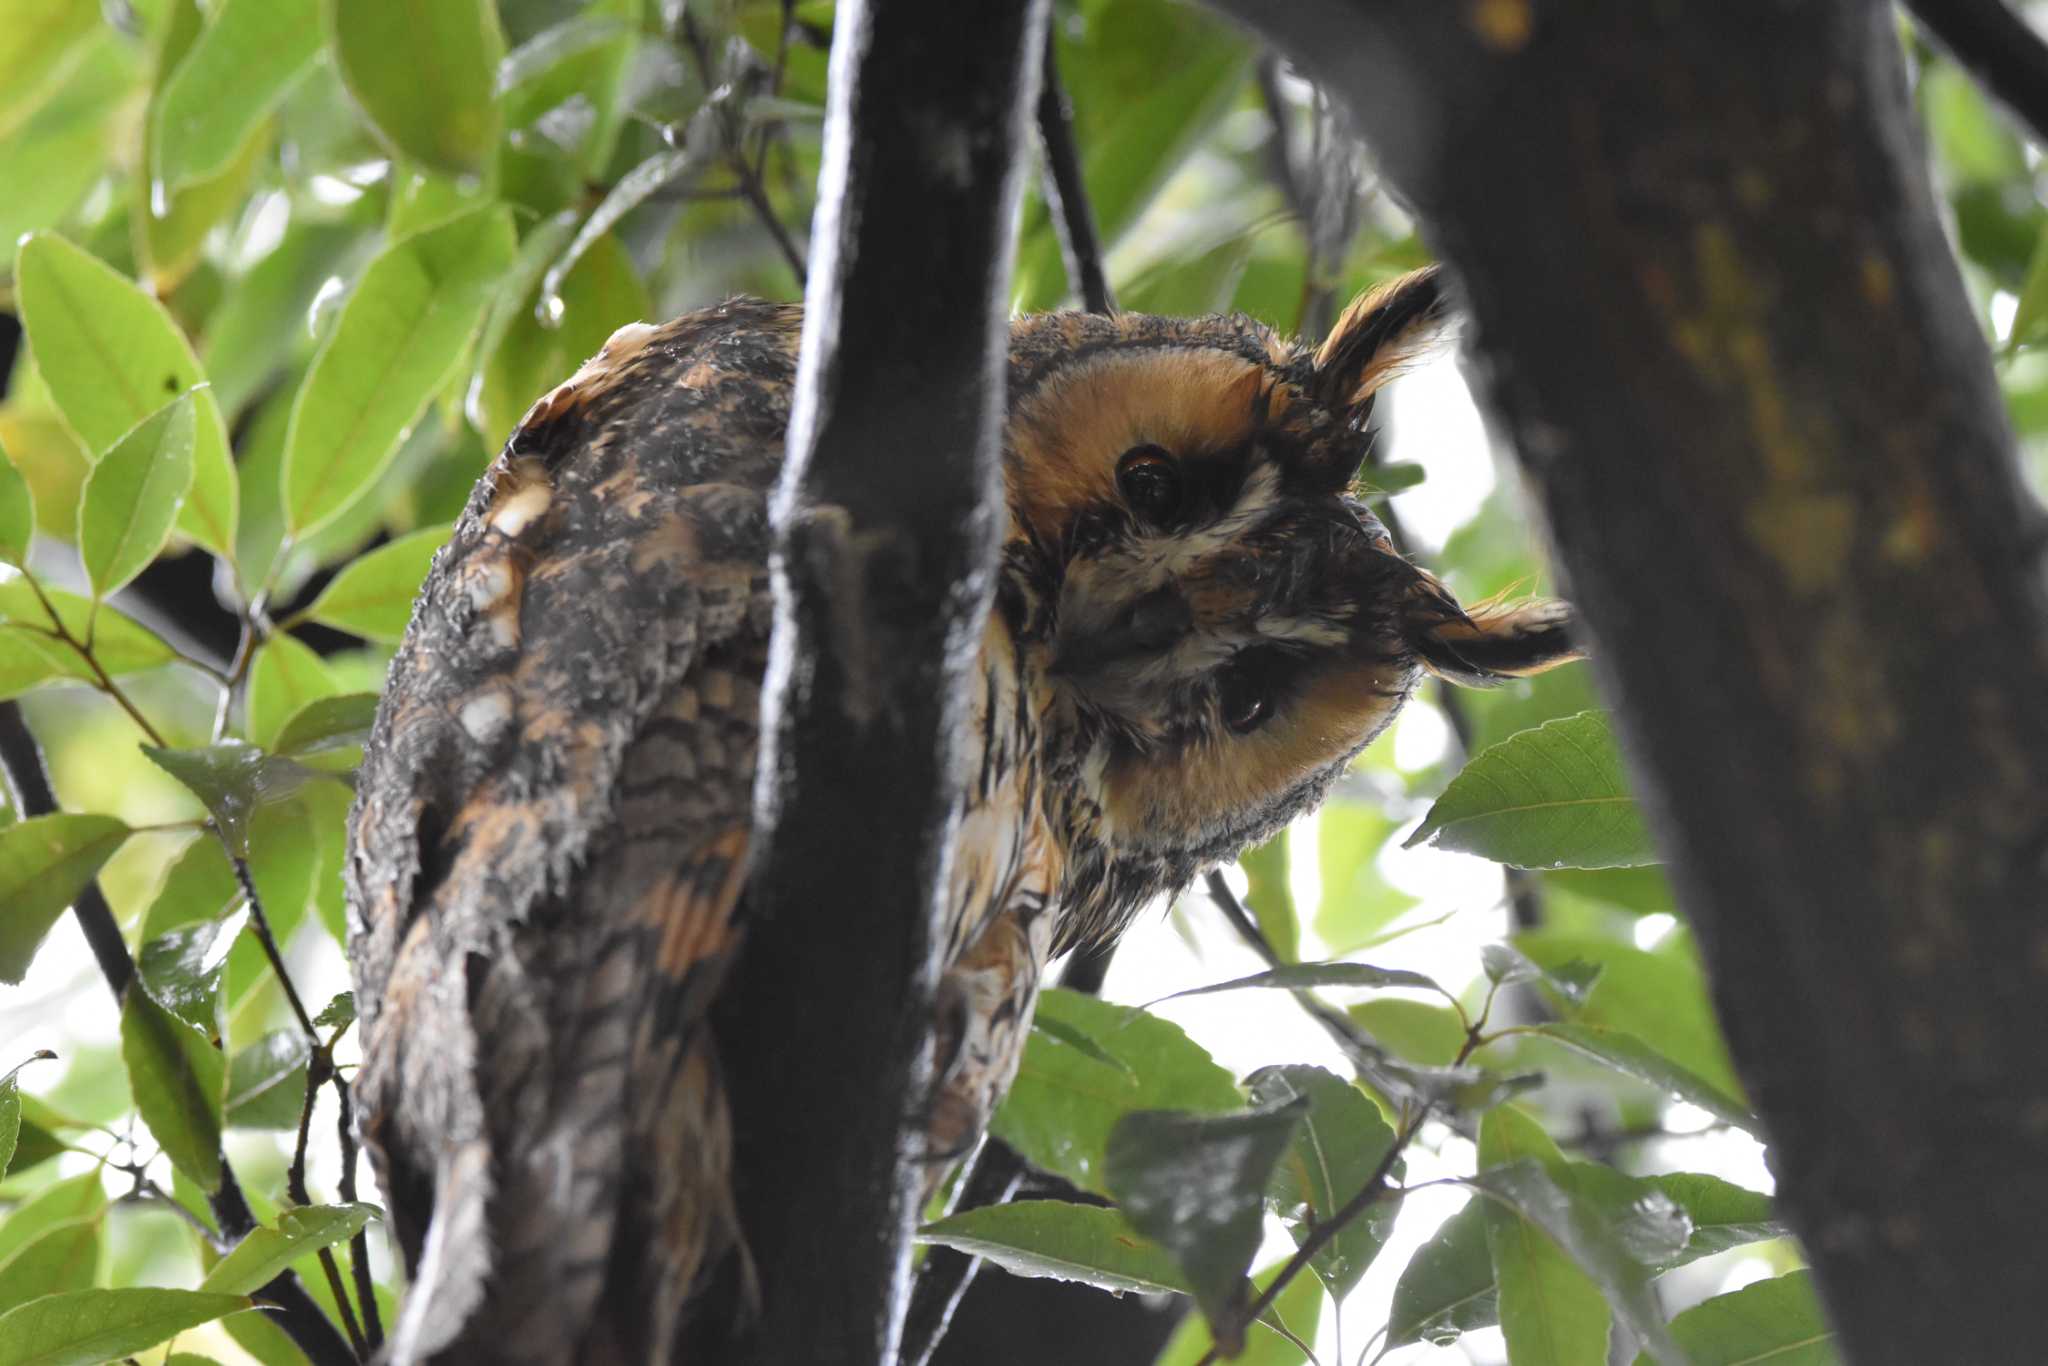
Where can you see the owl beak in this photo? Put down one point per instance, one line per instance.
(1154, 623)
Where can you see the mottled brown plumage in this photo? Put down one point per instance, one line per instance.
(1196, 628)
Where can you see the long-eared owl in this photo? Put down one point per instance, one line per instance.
(1196, 627)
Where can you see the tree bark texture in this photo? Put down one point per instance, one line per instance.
(1714, 310)
(885, 545)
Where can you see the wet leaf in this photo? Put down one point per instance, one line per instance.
(17, 512)
(1416, 1031)
(424, 75)
(233, 781)
(1505, 965)
(267, 1252)
(1552, 797)
(372, 597)
(176, 1074)
(1302, 976)
(1052, 1239)
(85, 1327)
(182, 971)
(1447, 1287)
(1558, 1262)
(132, 497)
(245, 60)
(112, 356)
(266, 1086)
(1333, 1154)
(1196, 1185)
(338, 1012)
(1778, 1322)
(1723, 1215)
(328, 723)
(1298, 1308)
(45, 862)
(1626, 1053)
(285, 677)
(64, 1257)
(398, 342)
(1267, 896)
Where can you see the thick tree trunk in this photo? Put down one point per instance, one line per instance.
(885, 547)
(1716, 314)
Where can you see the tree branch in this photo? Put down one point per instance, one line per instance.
(1066, 192)
(28, 788)
(885, 535)
(1733, 350)
(1999, 48)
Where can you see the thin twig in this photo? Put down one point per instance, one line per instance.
(101, 679)
(1066, 193)
(731, 135)
(28, 788)
(359, 1245)
(260, 923)
(295, 1186)
(943, 1278)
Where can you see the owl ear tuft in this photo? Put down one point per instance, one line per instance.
(1385, 330)
(1492, 642)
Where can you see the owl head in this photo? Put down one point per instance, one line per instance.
(1221, 623)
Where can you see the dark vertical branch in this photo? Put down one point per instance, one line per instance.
(1722, 324)
(1066, 193)
(885, 533)
(1999, 48)
(28, 788)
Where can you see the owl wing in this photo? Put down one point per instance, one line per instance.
(547, 851)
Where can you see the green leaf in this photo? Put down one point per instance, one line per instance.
(527, 358)
(1302, 976)
(45, 861)
(17, 513)
(1416, 1031)
(267, 1086)
(51, 155)
(1357, 902)
(233, 781)
(1065, 1033)
(39, 44)
(1336, 1150)
(1052, 1239)
(1505, 965)
(199, 886)
(1778, 1322)
(339, 1012)
(260, 327)
(631, 190)
(240, 68)
(1298, 1308)
(1558, 1263)
(1447, 1288)
(328, 723)
(1660, 996)
(10, 1118)
(133, 495)
(372, 597)
(119, 643)
(113, 356)
(285, 677)
(1553, 797)
(85, 1327)
(2030, 318)
(74, 1197)
(1268, 898)
(267, 1252)
(66, 1257)
(182, 971)
(176, 1075)
(398, 342)
(1723, 1215)
(1064, 1103)
(1627, 1054)
(1196, 1185)
(424, 75)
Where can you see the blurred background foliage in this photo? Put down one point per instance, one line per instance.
(289, 272)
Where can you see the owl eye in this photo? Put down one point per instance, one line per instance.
(1244, 695)
(1150, 483)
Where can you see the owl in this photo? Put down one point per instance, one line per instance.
(1197, 625)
